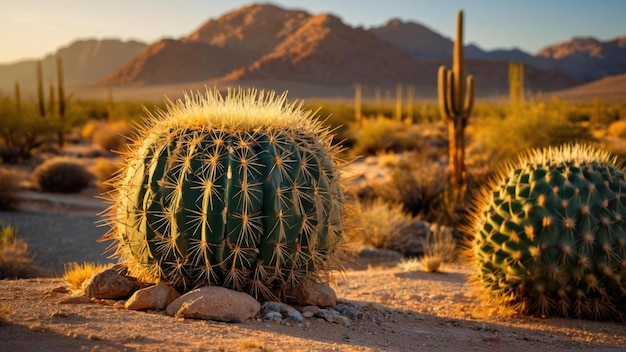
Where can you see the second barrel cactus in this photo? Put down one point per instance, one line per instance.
(241, 191)
(549, 236)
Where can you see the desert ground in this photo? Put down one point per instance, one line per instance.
(401, 310)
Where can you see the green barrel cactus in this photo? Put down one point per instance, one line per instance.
(549, 235)
(241, 191)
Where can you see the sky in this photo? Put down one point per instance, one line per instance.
(34, 28)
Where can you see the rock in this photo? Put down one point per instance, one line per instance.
(310, 311)
(283, 309)
(348, 312)
(75, 300)
(156, 297)
(313, 294)
(215, 303)
(108, 284)
(333, 316)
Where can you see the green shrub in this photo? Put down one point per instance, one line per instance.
(21, 133)
(61, 175)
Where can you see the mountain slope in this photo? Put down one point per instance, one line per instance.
(83, 61)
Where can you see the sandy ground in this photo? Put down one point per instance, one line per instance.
(402, 310)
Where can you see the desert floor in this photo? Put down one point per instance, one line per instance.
(402, 310)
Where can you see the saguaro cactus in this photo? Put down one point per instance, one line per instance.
(516, 85)
(61, 87)
(456, 99)
(40, 97)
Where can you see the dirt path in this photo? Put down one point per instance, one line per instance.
(402, 311)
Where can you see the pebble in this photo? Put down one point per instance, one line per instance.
(282, 308)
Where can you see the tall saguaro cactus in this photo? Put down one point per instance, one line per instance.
(40, 97)
(516, 85)
(61, 87)
(456, 99)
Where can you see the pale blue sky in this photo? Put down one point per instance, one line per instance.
(33, 28)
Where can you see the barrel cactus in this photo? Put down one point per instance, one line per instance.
(549, 235)
(241, 191)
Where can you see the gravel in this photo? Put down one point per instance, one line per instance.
(57, 239)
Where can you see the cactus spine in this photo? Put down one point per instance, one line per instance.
(456, 99)
(241, 191)
(549, 235)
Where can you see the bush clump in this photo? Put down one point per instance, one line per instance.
(15, 262)
(9, 185)
(61, 175)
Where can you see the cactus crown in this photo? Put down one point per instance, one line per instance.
(548, 235)
(241, 191)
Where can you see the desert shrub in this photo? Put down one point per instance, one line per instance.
(21, 133)
(617, 129)
(377, 223)
(5, 311)
(537, 126)
(112, 136)
(439, 248)
(9, 185)
(104, 170)
(61, 175)
(415, 183)
(15, 261)
(381, 135)
(76, 274)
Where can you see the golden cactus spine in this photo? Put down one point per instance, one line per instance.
(456, 99)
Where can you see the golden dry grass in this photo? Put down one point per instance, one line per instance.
(15, 260)
(76, 274)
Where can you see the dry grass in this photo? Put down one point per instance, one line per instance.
(61, 175)
(113, 136)
(15, 261)
(105, 169)
(76, 274)
(439, 248)
(377, 223)
(5, 311)
(9, 185)
(617, 129)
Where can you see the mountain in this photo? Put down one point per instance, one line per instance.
(587, 59)
(583, 59)
(610, 88)
(267, 46)
(83, 61)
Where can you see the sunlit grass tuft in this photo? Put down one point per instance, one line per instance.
(76, 274)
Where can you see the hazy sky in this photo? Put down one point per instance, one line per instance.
(33, 28)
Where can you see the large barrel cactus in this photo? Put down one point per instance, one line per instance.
(549, 235)
(241, 191)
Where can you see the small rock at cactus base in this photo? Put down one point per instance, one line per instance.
(215, 303)
(108, 284)
(313, 294)
(282, 308)
(156, 297)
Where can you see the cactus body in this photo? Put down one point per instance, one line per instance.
(456, 99)
(241, 191)
(550, 235)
